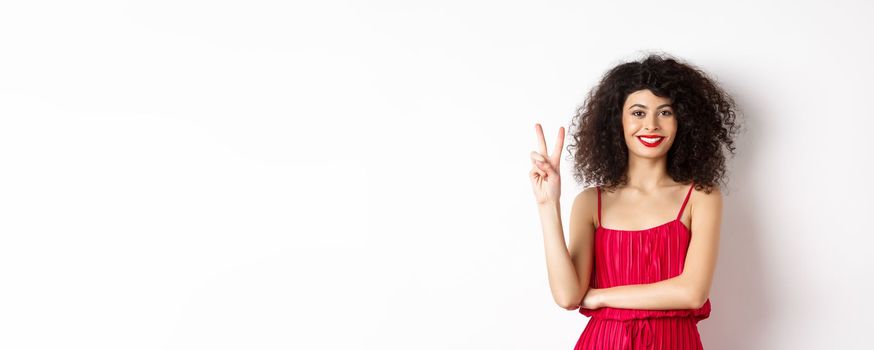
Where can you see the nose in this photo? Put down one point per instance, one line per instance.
(651, 124)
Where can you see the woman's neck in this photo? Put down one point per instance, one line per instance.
(648, 174)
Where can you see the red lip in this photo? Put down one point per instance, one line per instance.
(654, 144)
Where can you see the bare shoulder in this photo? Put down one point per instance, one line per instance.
(706, 203)
(585, 205)
(586, 198)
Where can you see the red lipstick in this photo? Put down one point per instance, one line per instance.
(651, 144)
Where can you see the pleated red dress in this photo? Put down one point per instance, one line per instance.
(625, 257)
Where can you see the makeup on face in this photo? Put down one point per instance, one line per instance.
(649, 118)
(650, 140)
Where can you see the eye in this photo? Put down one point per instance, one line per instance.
(635, 113)
(668, 112)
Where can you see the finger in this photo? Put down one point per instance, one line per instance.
(539, 172)
(541, 139)
(536, 177)
(534, 173)
(538, 156)
(559, 143)
(547, 167)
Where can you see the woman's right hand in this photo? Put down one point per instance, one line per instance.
(544, 175)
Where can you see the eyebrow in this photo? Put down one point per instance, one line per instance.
(642, 106)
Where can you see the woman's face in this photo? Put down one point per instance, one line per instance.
(647, 114)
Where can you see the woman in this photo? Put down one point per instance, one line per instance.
(651, 137)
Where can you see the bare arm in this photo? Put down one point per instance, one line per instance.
(567, 282)
(563, 281)
(570, 269)
(691, 288)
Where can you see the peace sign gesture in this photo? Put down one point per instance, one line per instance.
(544, 175)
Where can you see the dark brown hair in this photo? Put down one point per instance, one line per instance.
(705, 123)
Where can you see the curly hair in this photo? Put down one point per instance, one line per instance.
(705, 122)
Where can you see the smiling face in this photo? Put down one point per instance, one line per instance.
(645, 114)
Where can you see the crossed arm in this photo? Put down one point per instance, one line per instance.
(691, 288)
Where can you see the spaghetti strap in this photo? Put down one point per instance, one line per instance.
(680, 214)
(599, 205)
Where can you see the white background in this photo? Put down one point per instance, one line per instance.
(329, 175)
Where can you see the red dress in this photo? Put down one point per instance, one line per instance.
(625, 257)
